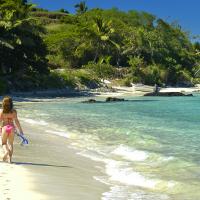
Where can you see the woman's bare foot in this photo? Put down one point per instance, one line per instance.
(5, 156)
(9, 159)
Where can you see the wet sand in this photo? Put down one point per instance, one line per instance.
(48, 169)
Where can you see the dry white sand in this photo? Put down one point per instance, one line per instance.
(178, 89)
(140, 90)
(16, 183)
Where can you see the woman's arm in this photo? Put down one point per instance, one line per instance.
(1, 120)
(17, 122)
(1, 115)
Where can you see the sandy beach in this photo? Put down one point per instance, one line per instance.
(140, 90)
(48, 169)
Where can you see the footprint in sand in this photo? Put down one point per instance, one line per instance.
(5, 181)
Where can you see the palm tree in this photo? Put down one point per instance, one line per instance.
(104, 32)
(81, 7)
(19, 37)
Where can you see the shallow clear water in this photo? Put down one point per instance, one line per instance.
(149, 145)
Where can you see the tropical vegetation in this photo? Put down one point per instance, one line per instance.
(40, 49)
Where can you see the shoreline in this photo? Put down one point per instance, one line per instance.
(135, 90)
(48, 169)
(41, 170)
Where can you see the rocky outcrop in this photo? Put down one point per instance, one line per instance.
(111, 99)
(90, 101)
(108, 99)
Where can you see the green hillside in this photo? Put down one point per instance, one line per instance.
(41, 49)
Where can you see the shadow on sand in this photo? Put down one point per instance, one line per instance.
(40, 164)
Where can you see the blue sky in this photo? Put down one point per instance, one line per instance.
(186, 12)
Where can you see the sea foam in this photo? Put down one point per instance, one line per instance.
(130, 153)
(119, 171)
(122, 193)
(37, 122)
(59, 133)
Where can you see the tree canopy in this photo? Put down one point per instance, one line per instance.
(22, 50)
(148, 49)
(164, 49)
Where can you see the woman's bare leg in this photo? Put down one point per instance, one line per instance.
(4, 138)
(10, 142)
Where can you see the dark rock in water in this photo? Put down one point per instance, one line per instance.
(108, 99)
(111, 99)
(90, 101)
(167, 94)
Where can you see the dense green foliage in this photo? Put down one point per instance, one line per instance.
(22, 50)
(91, 45)
(153, 50)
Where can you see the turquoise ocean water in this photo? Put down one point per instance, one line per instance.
(149, 146)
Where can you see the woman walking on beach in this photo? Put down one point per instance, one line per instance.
(8, 117)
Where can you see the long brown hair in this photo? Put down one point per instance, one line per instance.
(7, 104)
